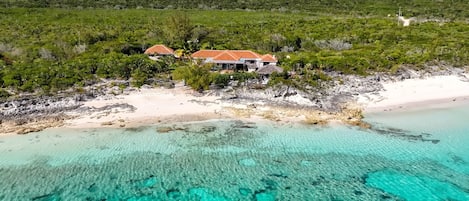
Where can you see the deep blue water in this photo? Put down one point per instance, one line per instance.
(416, 155)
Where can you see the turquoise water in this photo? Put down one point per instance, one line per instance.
(416, 155)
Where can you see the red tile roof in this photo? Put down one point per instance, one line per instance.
(268, 58)
(206, 53)
(228, 55)
(246, 54)
(160, 50)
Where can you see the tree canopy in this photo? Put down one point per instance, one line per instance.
(50, 49)
(445, 9)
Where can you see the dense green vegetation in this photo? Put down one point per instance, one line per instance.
(201, 77)
(197, 77)
(47, 50)
(431, 8)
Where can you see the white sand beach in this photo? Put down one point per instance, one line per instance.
(418, 93)
(150, 106)
(181, 104)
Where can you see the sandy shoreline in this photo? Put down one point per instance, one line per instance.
(181, 104)
(160, 106)
(148, 106)
(437, 91)
(421, 105)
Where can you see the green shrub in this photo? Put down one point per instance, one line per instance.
(197, 77)
(243, 76)
(221, 80)
(138, 78)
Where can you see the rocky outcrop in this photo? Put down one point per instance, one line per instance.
(279, 95)
(31, 114)
(331, 97)
(33, 124)
(348, 114)
(37, 106)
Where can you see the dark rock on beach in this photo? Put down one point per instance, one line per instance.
(32, 114)
(37, 106)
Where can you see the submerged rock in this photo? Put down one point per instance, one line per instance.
(141, 198)
(173, 193)
(306, 163)
(415, 187)
(93, 188)
(241, 124)
(167, 129)
(204, 194)
(164, 129)
(149, 182)
(248, 162)
(263, 195)
(245, 191)
(47, 197)
(145, 183)
(403, 134)
(270, 184)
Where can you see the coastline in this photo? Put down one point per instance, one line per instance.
(146, 106)
(161, 106)
(421, 105)
(418, 94)
(181, 104)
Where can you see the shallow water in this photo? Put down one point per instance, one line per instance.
(418, 155)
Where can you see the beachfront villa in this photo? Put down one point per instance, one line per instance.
(235, 59)
(155, 52)
(225, 60)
